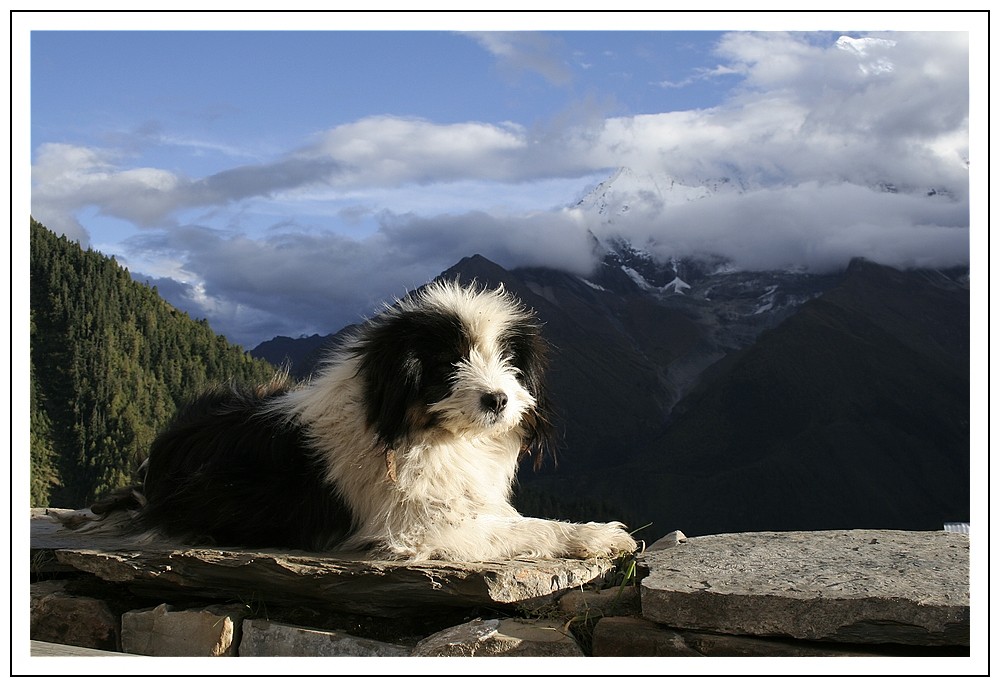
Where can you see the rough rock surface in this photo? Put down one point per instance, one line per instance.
(667, 541)
(510, 637)
(867, 586)
(706, 644)
(60, 617)
(637, 637)
(847, 593)
(163, 631)
(46, 649)
(599, 603)
(264, 638)
(351, 584)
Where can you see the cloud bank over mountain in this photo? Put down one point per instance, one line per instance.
(842, 146)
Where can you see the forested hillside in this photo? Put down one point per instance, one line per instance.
(110, 363)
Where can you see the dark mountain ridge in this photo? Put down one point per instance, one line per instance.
(744, 401)
(853, 413)
(290, 353)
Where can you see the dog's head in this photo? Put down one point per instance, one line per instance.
(454, 358)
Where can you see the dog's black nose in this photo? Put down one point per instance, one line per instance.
(494, 402)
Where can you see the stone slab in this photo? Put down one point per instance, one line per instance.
(600, 603)
(40, 648)
(352, 584)
(164, 631)
(861, 586)
(266, 638)
(508, 637)
(624, 636)
(63, 618)
(718, 645)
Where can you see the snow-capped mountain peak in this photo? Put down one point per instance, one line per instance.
(627, 190)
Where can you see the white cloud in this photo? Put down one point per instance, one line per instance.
(814, 226)
(526, 51)
(702, 74)
(387, 151)
(806, 112)
(816, 124)
(68, 178)
(297, 282)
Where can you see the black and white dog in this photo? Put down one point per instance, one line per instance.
(406, 445)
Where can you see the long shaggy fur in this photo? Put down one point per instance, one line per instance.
(406, 444)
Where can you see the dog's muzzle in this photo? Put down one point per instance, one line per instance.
(493, 403)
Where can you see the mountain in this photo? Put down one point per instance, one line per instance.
(298, 356)
(110, 363)
(694, 395)
(805, 401)
(853, 413)
(627, 350)
(301, 356)
(750, 400)
(283, 351)
(627, 191)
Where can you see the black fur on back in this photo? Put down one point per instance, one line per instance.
(227, 473)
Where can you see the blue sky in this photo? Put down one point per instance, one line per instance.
(287, 182)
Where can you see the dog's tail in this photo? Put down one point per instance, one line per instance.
(124, 500)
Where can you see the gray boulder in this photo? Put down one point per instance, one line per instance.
(863, 586)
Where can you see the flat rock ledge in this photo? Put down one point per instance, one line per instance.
(853, 586)
(346, 584)
(835, 593)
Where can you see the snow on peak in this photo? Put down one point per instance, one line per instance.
(627, 189)
(639, 280)
(678, 285)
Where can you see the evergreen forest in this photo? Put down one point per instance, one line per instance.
(111, 362)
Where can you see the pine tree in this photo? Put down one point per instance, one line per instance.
(111, 362)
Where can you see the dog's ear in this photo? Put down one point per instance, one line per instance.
(539, 435)
(391, 373)
(530, 357)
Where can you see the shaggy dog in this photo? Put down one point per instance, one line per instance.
(405, 444)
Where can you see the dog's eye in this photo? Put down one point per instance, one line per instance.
(517, 357)
(442, 368)
(439, 367)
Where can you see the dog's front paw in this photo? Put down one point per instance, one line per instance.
(598, 539)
